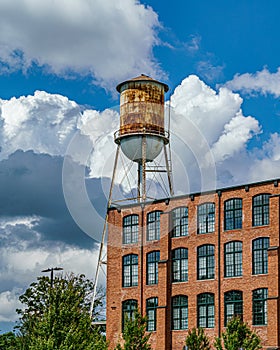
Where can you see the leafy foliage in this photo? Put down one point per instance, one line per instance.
(197, 340)
(56, 317)
(134, 334)
(8, 341)
(238, 335)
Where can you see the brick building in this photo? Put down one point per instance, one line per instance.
(196, 260)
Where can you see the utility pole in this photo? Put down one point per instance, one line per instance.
(51, 270)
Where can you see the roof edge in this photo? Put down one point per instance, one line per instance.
(142, 78)
(193, 194)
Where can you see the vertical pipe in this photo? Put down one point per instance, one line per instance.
(278, 337)
(144, 151)
(139, 182)
(219, 264)
(143, 199)
(141, 260)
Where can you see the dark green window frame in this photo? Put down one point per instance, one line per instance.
(130, 270)
(233, 214)
(130, 229)
(206, 218)
(206, 262)
(180, 222)
(153, 225)
(129, 307)
(260, 256)
(206, 310)
(233, 259)
(152, 267)
(233, 305)
(261, 209)
(180, 265)
(260, 307)
(151, 312)
(179, 312)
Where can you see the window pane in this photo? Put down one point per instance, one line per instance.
(151, 310)
(233, 259)
(128, 309)
(180, 265)
(180, 312)
(130, 270)
(153, 225)
(130, 229)
(233, 305)
(260, 257)
(260, 306)
(261, 210)
(233, 214)
(152, 267)
(206, 218)
(180, 222)
(206, 262)
(205, 303)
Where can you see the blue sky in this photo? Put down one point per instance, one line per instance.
(60, 61)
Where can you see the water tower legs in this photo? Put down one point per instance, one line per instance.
(168, 163)
(101, 258)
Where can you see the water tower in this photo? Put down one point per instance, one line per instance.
(142, 134)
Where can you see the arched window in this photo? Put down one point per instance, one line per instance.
(206, 310)
(260, 258)
(130, 229)
(180, 222)
(130, 270)
(261, 210)
(260, 307)
(180, 312)
(180, 265)
(206, 262)
(233, 214)
(233, 305)
(233, 259)
(153, 225)
(206, 218)
(152, 267)
(151, 311)
(128, 310)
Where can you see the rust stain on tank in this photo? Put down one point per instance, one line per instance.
(142, 107)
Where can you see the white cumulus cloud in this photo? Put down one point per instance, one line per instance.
(9, 303)
(217, 115)
(41, 122)
(207, 109)
(263, 82)
(236, 134)
(110, 40)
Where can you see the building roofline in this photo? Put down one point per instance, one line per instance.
(195, 194)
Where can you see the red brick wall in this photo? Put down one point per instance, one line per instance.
(164, 338)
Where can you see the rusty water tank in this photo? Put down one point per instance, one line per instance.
(142, 114)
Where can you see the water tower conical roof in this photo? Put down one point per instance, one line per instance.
(142, 77)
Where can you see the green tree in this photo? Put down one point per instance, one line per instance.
(8, 341)
(238, 335)
(197, 340)
(57, 317)
(134, 334)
